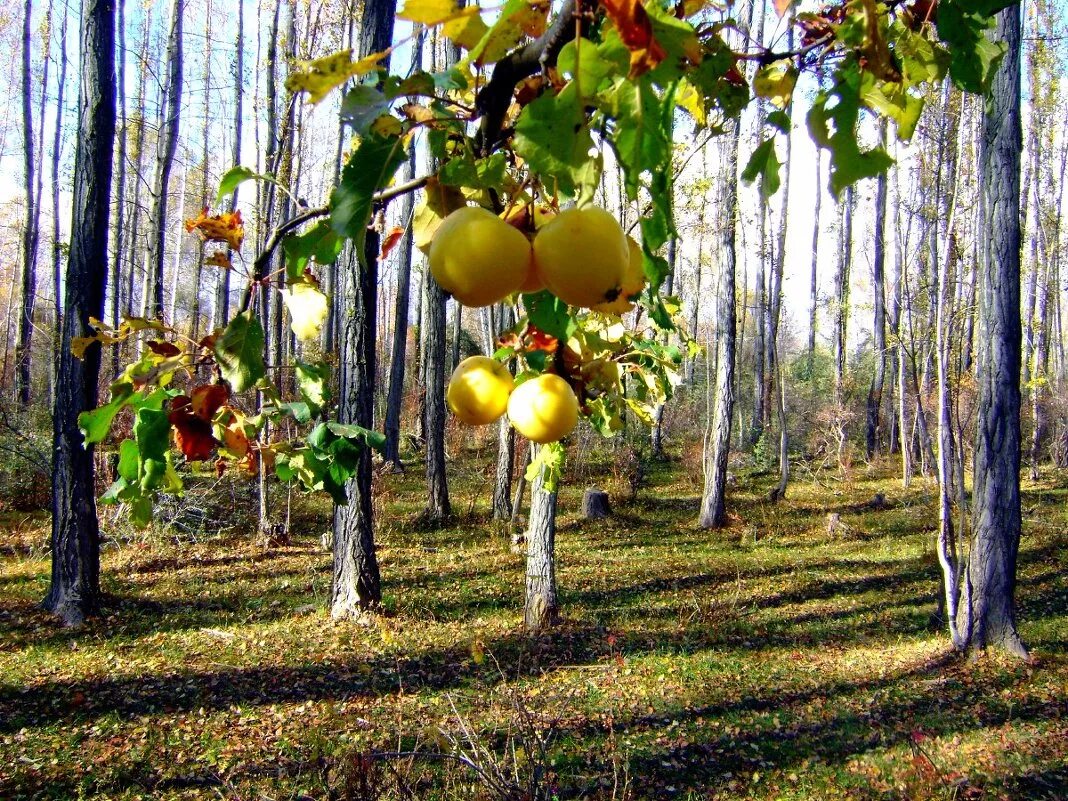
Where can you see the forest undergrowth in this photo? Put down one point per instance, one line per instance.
(776, 659)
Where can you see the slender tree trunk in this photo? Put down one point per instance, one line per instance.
(74, 592)
(165, 149)
(357, 583)
(134, 255)
(656, 435)
(397, 364)
(57, 246)
(875, 392)
(120, 186)
(718, 438)
(205, 197)
(222, 287)
(502, 485)
(542, 607)
(438, 507)
(990, 582)
(30, 231)
(814, 272)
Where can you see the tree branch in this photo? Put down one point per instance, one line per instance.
(494, 98)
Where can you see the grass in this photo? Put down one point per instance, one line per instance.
(769, 660)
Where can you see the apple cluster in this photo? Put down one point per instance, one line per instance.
(581, 255)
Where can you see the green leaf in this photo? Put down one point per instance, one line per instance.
(298, 410)
(358, 433)
(548, 313)
(233, 178)
(588, 65)
(129, 459)
(486, 173)
(320, 243)
(96, 423)
(152, 431)
(549, 461)
(313, 383)
(764, 164)
(370, 169)
(893, 100)
(832, 122)
(552, 137)
(363, 104)
(780, 121)
(974, 59)
(239, 352)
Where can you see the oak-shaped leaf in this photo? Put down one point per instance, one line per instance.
(226, 227)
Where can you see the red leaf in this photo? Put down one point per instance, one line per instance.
(389, 241)
(165, 349)
(636, 31)
(539, 340)
(192, 434)
(781, 6)
(207, 398)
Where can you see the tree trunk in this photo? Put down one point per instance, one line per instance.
(57, 247)
(438, 507)
(541, 609)
(502, 484)
(205, 188)
(875, 392)
(30, 231)
(120, 181)
(222, 288)
(134, 255)
(814, 274)
(357, 584)
(405, 251)
(165, 148)
(990, 583)
(74, 592)
(718, 438)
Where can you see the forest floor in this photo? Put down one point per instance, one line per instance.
(769, 660)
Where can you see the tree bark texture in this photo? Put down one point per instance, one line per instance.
(166, 146)
(718, 439)
(31, 227)
(357, 583)
(74, 592)
(990, 582)
(542, 607)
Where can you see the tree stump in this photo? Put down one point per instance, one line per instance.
(595, 504)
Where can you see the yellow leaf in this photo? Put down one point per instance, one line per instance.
(387, 125)
(437, 203)
(691, 100)
(308, 308)
(775, 82)
(435, 12)
(322, 75)
(466, 31)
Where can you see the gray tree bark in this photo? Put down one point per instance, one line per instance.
(120, 179)
(170, 115)
(718, 438)
(990, 582)
(541, 608)
(222, 287)
(357, 584)
(875, 392)
(74, 592)
(31, 227)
